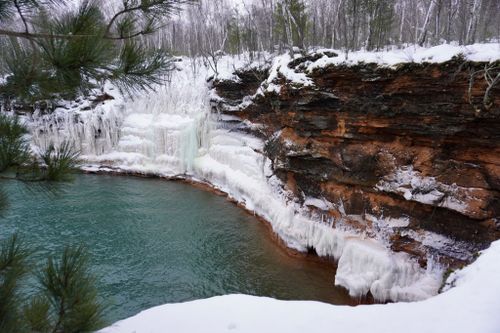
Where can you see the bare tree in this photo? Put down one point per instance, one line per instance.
(350, 24)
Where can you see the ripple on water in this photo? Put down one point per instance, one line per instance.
(153, 242)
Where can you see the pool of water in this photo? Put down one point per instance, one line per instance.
(153, 241)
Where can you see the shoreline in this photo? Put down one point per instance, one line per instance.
(311, 257)
(205, 186)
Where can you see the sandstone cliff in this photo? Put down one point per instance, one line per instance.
(410, 152)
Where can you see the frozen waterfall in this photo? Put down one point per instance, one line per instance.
(172, 132)
(160, 132)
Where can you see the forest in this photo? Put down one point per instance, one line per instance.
(272, 25)
(129, 43)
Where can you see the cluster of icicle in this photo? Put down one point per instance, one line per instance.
(172, 132)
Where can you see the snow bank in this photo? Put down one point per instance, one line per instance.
(281, 68)
(472, 305)
(487, 52)
(366, 266)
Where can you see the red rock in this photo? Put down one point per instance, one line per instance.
(351, 132)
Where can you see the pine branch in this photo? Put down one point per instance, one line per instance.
(36, 35)
(140, 68)
(151, 8)
(155, 9)
(12, 268)
(20, 12)
(69, 288)
(59, 162)
(14, 149)
(4, 203)
(77, 50)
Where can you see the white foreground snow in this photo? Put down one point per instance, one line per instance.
(472, 306)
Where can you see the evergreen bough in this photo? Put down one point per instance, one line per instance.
(67, 301)
(53, 164)
(49, 49)
(14, 149)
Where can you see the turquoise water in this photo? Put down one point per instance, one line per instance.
(153, 242)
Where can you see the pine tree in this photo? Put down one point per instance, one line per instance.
(53, 164)
(53, 50)
(14, 149)
(68, 300)
(13, 267)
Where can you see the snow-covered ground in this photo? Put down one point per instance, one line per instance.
(471, 306)
(484, 52)
(172, 132)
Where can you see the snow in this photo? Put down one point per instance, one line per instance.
(322, 203)
(487, 52)
(472, 305)
(279, 69)
(297, 77)
(412, 185)
(403, 221)
(227, 65)
(365, 266)
(457, 249)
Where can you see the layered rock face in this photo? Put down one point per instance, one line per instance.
(410, 154)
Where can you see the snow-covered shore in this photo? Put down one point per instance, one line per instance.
(173, 133)
(472, 305)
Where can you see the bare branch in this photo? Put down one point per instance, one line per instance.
(487, 103)
(486, 99)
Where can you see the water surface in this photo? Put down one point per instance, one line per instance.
(153, 242)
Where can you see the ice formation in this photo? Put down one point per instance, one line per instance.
(172, 132)
(415, 187)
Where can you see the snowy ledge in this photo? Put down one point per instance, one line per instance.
(472, 305)
(479, 52)
(282, 65)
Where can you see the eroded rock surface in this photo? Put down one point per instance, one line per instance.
(410, 153)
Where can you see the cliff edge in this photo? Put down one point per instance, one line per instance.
(408, 152)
